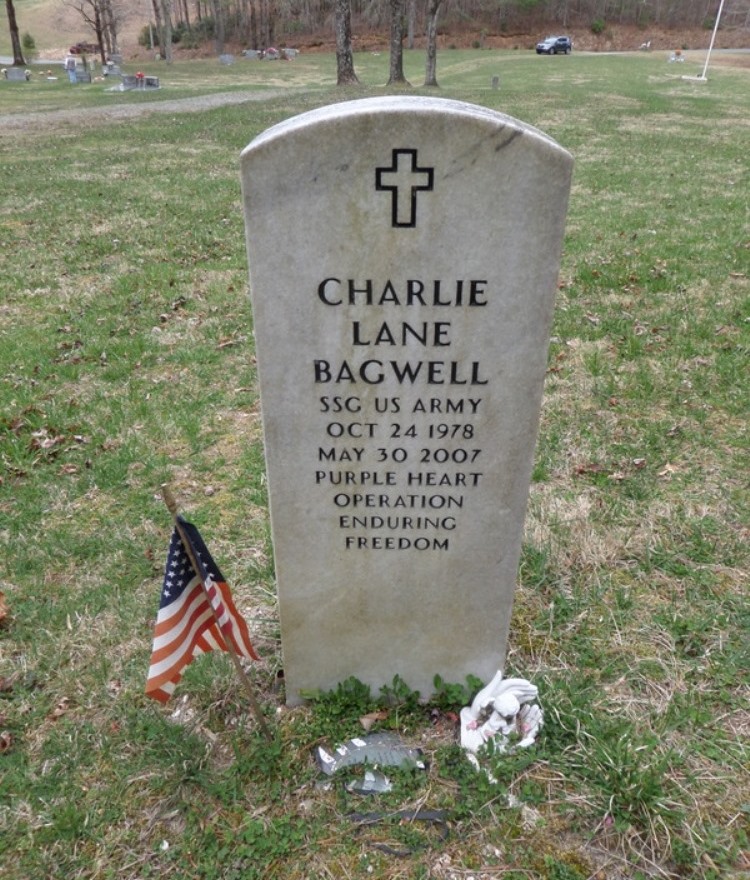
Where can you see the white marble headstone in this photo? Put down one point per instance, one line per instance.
(403, 254)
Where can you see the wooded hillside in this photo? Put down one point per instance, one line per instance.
(260, 23)
(502, 16)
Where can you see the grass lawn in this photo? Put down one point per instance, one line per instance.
(126, 361)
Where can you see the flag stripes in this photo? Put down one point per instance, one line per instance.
(196, 615)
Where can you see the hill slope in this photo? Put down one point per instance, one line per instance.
(55, 26)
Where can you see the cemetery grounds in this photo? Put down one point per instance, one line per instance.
(126, 361)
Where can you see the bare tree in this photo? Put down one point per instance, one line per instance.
(157, 19)
(345, 74)
(163, 15)
(14, 38)
(111, 20)
(411, 22)
(104, 17)
(91, 12)
(396, 76)
(185, 14)
(267, 24)
(248, 23)
(217, 10)
(433, 8)
(166, 15)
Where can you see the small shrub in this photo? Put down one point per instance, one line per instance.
(598, 26)
(452, 697)
(187, 37)
(294, 27)
(28, 43)
(145, 36)
(204, 29)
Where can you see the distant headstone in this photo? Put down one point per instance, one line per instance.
(251, 54)
(17, 74)
(226, 59)
(403, 256)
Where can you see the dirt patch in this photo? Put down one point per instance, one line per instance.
(727, 58)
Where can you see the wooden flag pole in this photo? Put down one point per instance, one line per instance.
(169, 500)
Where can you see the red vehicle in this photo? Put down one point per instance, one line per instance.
(84, 48)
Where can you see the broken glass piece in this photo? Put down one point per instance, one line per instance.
(373, 782)
(375, 749)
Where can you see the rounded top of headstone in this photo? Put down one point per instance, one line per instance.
(406, 105)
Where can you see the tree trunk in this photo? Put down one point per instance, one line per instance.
(166, 16)
(247, 25)
(98, 30)
(159, 25)
(253, 27)
(250, 34)
(411, 22)
(433, 8)
(219, 29)
(265, 37)
(18, 60)
(108, 45)
(397, 44)
(345, 74)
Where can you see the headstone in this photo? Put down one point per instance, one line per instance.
(403, 257)
(17, 74)
(226, 59)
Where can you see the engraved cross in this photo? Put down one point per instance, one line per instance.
(404, 179)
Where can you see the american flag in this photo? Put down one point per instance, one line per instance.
(186, 625)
